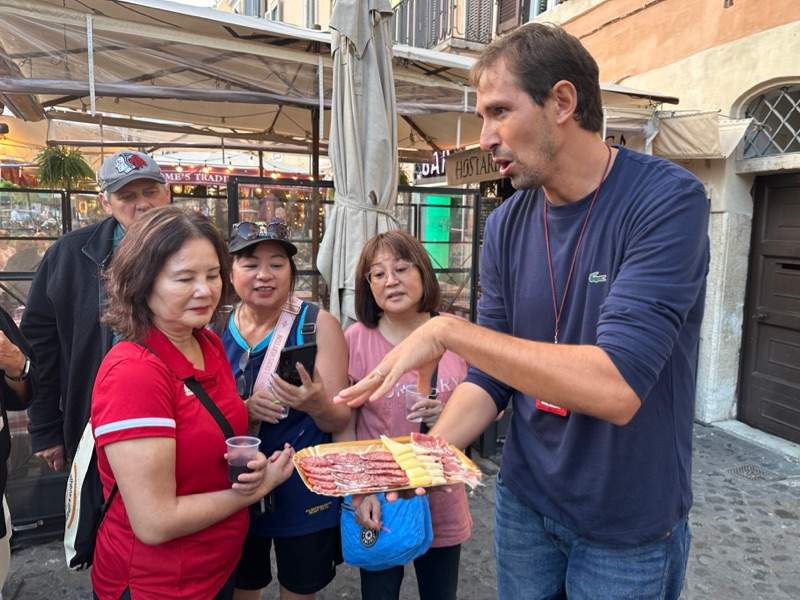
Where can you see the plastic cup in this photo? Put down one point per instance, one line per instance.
(241, 450)
(284, 409)
(413, 396)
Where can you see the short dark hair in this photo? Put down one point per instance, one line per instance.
(149, 242)
(404, 246)
(540, 55)
(249, 252)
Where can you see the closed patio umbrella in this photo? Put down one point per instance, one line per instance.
(363, 144)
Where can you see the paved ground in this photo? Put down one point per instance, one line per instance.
(746, 528)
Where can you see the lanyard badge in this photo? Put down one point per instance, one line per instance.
(551, 408)
(559, 309)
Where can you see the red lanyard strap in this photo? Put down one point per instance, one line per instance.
(559, 309)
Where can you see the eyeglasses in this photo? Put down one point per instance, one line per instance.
(250, 230)
(242, 387)
(379, 274)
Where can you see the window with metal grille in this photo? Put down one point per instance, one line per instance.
(776, 123)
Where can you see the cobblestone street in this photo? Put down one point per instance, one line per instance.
(745, 526)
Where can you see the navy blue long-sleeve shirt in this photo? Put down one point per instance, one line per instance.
(637, 292)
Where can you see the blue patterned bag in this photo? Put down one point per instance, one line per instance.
(407, 534)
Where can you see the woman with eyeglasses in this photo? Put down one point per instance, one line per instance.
(163, 404)
(303, 526)
(396, 292)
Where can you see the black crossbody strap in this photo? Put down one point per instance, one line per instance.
(423, 427)
(197, 389)
(209, 405)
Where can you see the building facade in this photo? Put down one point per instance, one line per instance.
(312, 14)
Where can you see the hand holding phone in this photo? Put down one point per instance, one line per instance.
(305, 354)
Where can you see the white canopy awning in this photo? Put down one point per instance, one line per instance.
(228, 75)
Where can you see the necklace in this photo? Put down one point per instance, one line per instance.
(256, 329)
(558, 309)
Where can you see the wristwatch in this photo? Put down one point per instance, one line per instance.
(26, 369)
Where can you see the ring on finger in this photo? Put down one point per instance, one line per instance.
(379, 373)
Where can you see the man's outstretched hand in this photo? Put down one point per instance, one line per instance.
(419, 352)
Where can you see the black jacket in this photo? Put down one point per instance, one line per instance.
(62, 325)
(10, 401)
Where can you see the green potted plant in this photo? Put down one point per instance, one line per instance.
(60, 168)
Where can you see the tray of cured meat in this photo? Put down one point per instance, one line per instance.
(384, 465)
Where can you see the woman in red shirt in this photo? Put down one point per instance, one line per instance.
(176, 527)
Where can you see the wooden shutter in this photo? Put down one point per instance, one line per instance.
(508, 14)
(479, 21)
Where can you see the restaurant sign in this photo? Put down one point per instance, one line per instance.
(203, 176)
(471, 166)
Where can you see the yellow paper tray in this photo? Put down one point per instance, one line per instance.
(362, 447)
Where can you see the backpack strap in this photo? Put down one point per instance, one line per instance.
(309, 328)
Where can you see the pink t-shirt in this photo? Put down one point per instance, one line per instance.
(452, 522)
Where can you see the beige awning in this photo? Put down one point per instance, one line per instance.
(22, 142)
(698, 135)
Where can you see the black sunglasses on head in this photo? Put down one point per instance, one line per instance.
(250, 230)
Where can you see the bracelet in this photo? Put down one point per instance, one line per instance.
(26, 369)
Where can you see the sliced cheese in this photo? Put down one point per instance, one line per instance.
(395, 447)
(419, 482)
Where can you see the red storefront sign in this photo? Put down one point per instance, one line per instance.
(216, 175)
(203, 175)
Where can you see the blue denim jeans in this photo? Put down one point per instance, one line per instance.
(538, 558)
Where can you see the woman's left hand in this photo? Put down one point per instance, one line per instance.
(304, 397)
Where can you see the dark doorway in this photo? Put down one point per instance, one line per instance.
(769, 396)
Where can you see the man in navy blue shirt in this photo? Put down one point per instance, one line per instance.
(592, 293)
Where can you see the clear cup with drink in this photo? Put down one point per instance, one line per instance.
(284, 409)
(241, 450)
(417, 403)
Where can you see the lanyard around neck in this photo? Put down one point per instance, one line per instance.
(559, 309)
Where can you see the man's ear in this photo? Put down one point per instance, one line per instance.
(104, 202)
(565, 97)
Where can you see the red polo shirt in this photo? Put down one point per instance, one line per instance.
(138, 395)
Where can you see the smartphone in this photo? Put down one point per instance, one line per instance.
(305, 354)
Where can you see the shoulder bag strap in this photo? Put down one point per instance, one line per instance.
(198, 390)
(423, 427)
(209, 405)
(107, 503)
(280, 335)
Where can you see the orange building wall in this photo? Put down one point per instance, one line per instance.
(628, 37)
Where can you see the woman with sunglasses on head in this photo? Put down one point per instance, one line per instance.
(163, 404)
(303, 526)
(396, 292)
